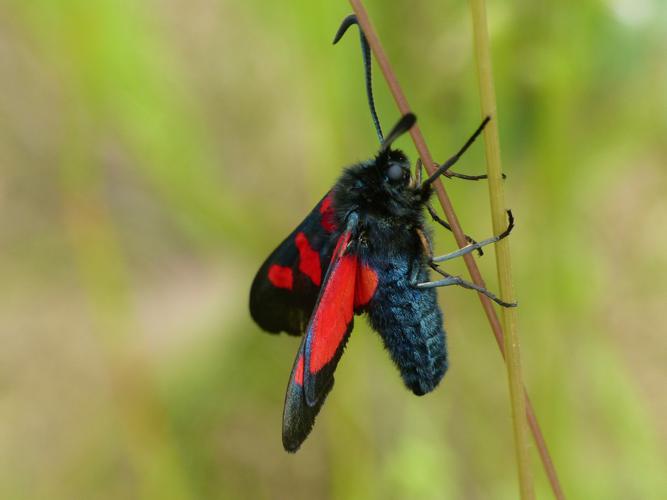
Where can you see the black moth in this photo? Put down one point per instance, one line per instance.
(363, 249)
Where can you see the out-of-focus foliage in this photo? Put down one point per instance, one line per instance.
(153, 153)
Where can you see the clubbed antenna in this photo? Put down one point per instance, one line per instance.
(366, 53)
(404, 124)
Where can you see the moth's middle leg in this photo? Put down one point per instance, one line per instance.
(426, 256)
(476, 246)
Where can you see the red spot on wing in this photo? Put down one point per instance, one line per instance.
(281, 276)
(326, 209)
(335, 310)
(298, 375)
(367, 283)
(309, 259)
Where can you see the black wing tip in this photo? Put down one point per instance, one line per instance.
(292, 445)
(295, 431)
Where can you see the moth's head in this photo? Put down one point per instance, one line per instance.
(381, 185)
(392, 164)
(392, 170)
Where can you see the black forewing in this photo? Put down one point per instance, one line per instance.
(285, 289)
(299, 417)
(329, 327)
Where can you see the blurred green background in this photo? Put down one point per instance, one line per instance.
(153, 153)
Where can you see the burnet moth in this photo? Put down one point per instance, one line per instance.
(363, 249)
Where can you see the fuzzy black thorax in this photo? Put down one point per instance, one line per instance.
(381, 191)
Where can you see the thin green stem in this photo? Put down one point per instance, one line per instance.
(503, 258)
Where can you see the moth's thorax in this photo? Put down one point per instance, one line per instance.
(384, 197)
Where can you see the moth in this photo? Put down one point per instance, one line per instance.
(363, 249)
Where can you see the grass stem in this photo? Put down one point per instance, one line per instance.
(503, 258)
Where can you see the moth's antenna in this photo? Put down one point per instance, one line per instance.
(445, 166)
(366, 53)
(404, 124)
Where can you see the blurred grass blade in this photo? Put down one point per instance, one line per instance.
(503, 261)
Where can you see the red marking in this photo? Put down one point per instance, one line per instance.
(298, 375)
(326, 209)
(309, 259)
(281, 276)
(367, 283)
(335, 309)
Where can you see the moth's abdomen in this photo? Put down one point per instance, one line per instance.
(410, 323)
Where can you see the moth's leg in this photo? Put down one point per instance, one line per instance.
(426, 244)
(445, 224)
(414, 273)
(470, 248)
(426, 256)
(442, 169)
(418, 171)
(449, 173)
(456, 280)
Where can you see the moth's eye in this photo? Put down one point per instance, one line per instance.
(395, 173)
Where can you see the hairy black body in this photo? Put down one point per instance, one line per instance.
(390, 238)
(362, 249)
